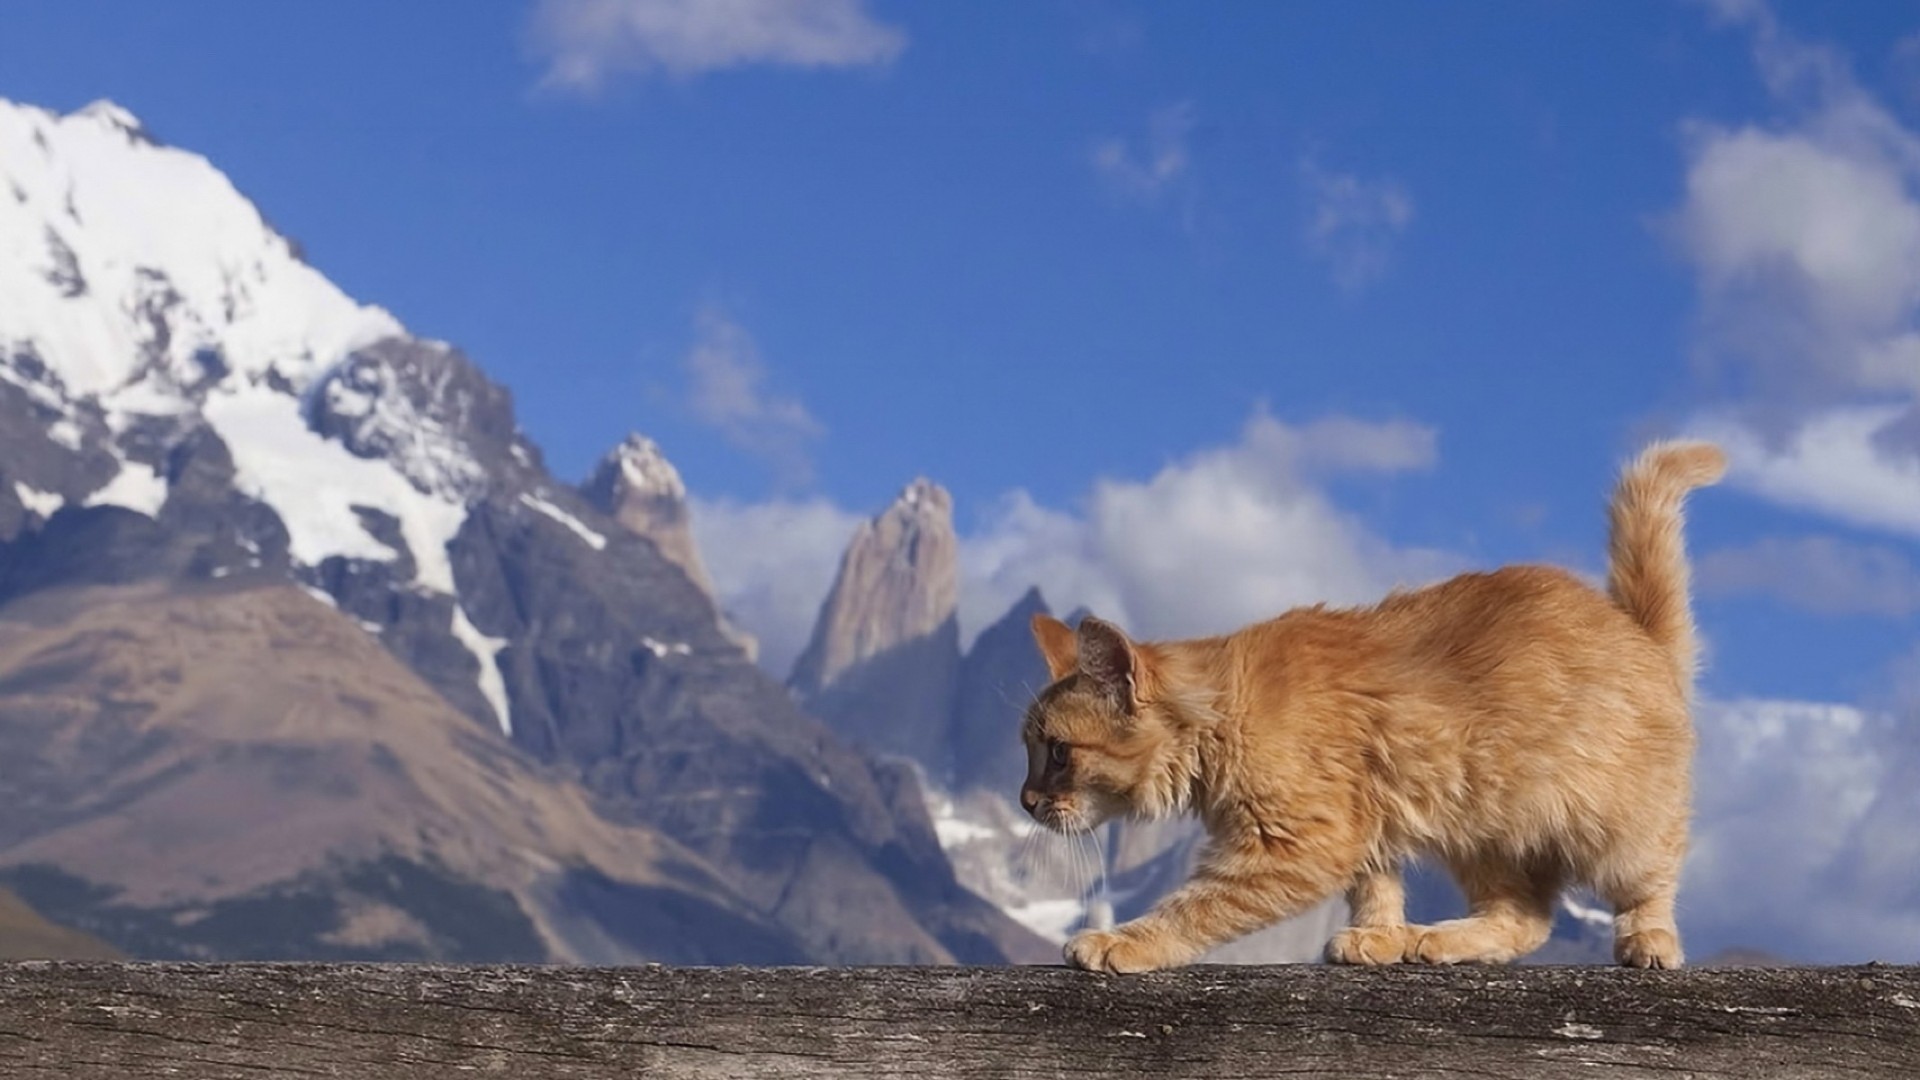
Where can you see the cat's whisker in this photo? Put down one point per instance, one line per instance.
(1073, 854)
(1056, 867)
(1025, 856)
(1085, 858)
(1100, 858)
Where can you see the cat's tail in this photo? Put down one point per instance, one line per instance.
(1647, 556)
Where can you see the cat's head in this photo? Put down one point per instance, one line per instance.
(1096, 739)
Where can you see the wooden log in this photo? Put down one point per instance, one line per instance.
(389, 1022)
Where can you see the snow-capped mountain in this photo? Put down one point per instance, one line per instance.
(186, 405)
(145, 298)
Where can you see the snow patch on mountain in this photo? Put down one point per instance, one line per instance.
(136, 486)
(647, 470)
(67, 433)
(664, 649)
(486, 650)
(1055, 920)
(319, 594)
(978, 819)
(44, 503)
(314, 483)
(592, 539)
(1044, 881)
(1588, 915)
(364, 395)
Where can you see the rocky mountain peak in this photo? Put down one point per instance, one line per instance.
(923, 492)
(638, 487)
(422, 407)
(899, 581)
(641, 470)
(118, 117)
(885, 652)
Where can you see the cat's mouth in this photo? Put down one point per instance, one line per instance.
(1075, 816)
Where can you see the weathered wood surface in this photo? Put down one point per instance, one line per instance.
(385, 1022)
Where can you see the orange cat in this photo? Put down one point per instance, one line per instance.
(1523, 729)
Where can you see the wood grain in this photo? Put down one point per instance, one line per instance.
(388, 1022)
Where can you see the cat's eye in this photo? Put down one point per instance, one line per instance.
(1057, 753)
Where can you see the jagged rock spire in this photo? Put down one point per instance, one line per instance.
(885, 651)
(638, 487)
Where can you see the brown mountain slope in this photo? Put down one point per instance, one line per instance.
(242, 772)
(25, 935)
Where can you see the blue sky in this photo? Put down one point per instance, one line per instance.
(1107, 270)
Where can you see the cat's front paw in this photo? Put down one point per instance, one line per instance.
(1371, 944)
(1656, 948)
(1115, 951)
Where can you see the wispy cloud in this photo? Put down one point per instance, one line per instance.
(1353, 223)
(726, 389)
(1822, 574)
(586, 42)
(1804, 233)
(1843, 463)
(1148, 167)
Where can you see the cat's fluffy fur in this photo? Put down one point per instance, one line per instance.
(1520, 727)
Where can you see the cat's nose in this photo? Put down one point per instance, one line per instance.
(1029, 798)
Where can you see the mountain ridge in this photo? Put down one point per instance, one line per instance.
(186, 403)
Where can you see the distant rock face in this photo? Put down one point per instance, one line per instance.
(425, 408)
(1000, 674)
(884, 659)
(638, 487)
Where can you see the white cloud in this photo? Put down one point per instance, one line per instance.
(1808, 249)
(1803, 841)
(1353, 223)
(1223, 537)
(587, 41)
(772, 564)
(1822, 574)
(1145, 168)
(1841, 462)
(726, 390)
(1804, 232)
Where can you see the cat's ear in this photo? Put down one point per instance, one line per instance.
(1109, 659)
(1057, 646)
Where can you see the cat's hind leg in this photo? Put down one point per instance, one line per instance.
(1510, 913)
(1640, 882)
(1377, 931)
